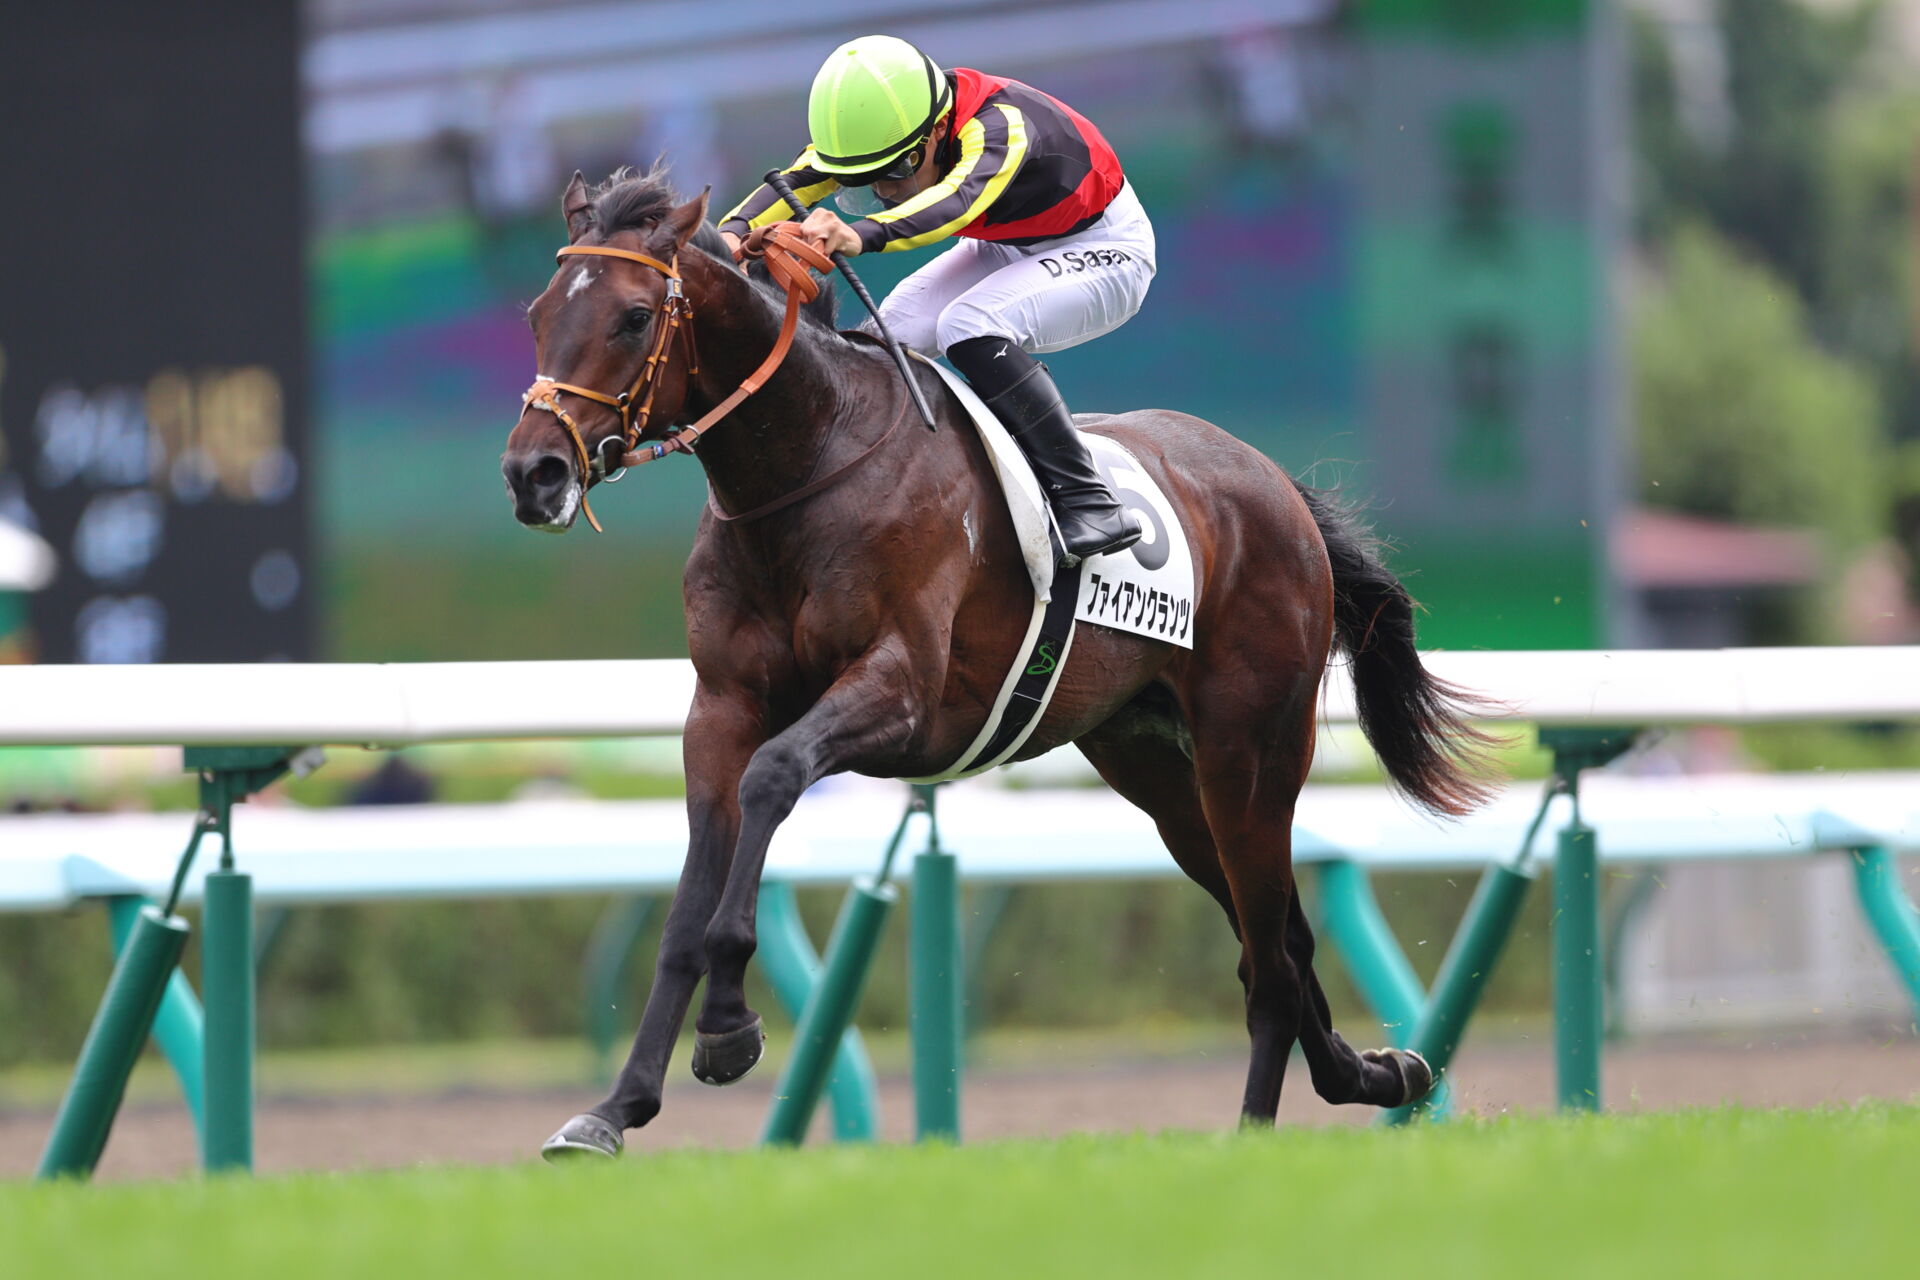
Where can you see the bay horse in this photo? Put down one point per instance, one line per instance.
(850, 626)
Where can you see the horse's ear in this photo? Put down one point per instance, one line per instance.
(577, 206)
(678, 226)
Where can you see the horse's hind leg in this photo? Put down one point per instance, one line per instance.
(1380, 1077)
(1143, 753)
(1251, 762)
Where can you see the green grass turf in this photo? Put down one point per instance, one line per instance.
(1700, 1194)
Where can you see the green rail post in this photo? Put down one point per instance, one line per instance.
(1463, 976)
(1579, 971)
(829, 1011)
(936, 976)
(1579, 1003)
(989, 905)
(829, 1007)
(119, 1032)
(1470, 960)
(228, 775)
(1876, 878)
(177, 1027)
(786, 956)
(1354, 923)
(227, 976)
(610, 952)
(144, 979)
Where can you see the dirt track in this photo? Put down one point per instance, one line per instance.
(489, 1128)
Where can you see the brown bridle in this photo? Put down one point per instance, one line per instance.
(790, 260)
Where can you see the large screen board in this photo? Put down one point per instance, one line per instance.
(153, 385)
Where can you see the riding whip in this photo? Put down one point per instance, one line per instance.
(778, 181)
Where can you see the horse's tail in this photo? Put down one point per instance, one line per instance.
(1421, 726)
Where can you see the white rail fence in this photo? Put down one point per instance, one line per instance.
(51, 861)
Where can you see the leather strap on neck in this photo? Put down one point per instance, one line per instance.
(791, 261)
(812, 487)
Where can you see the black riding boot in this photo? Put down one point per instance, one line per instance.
(1021, 393)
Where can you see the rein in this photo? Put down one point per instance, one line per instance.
(790, 260)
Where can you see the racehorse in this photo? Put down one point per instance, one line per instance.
(838, 620)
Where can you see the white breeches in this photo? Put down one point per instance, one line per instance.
(1045, 297)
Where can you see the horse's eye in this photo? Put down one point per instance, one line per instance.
(636, 319)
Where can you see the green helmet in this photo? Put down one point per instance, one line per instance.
(873, 100)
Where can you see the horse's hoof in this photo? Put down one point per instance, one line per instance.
(724, 1058)
(585, 1137)
(1416, 1077)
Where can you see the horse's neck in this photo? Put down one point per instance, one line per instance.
(773, 441)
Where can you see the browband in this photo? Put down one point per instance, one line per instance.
(599, 251)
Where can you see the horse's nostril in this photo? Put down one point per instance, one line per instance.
(549, 473)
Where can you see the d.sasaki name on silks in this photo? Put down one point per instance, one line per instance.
(1083, 260)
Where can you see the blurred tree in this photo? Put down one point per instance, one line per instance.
(1787, 67)
(1739, 413)
(1668, 163)
(1813, 176)
(1788, 64)
(1866, 268)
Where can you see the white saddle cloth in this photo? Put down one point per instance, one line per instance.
(1149, 588)
(1025, 503)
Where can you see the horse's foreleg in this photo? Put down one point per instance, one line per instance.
(721, 737)
(869, 709)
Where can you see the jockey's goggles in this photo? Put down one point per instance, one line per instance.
(903, 167)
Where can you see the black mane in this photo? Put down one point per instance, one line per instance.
(630, 200)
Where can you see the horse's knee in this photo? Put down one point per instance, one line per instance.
(773, 782)
(685, 961)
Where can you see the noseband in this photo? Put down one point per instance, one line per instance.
(790, 260)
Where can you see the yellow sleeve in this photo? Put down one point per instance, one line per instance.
(764, 205)
(993, 145)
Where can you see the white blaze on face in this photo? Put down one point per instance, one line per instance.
(580, 282)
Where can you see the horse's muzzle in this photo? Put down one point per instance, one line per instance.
(545, 492)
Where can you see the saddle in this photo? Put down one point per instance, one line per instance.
(1147, 588)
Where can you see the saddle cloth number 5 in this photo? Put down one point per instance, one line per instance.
(1129, 486)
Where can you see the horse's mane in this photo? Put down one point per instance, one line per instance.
(631, 200)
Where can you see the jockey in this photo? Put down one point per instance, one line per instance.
(1054, 250)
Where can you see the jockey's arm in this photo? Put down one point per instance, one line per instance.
(993, 145)
(764, 207)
